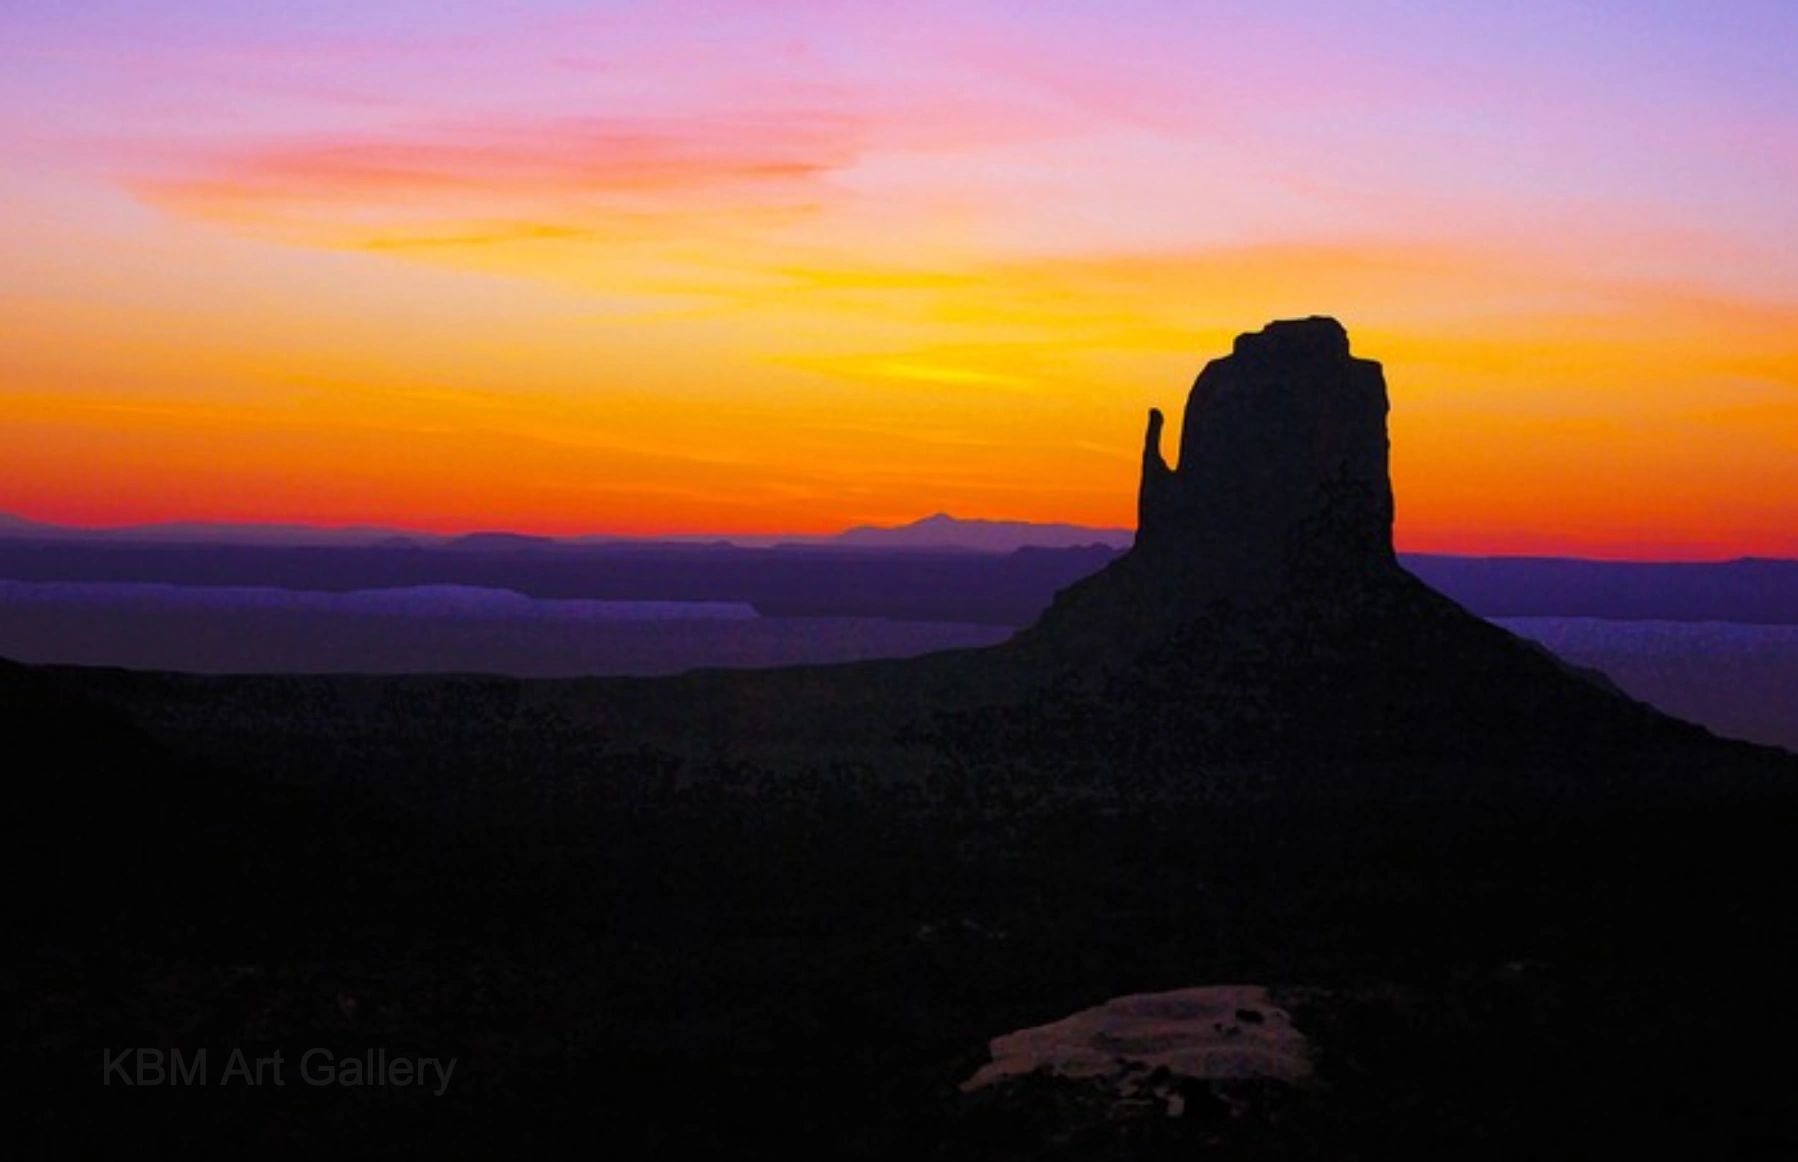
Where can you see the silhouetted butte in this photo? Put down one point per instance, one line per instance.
(1263, 610)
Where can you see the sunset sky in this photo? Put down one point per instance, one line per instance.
(733, 267)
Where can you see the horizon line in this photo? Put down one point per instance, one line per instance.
(771, 539)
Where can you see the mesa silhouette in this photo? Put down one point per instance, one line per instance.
(1263, 613)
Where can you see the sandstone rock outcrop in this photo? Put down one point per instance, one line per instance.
(1262, 608)
(1281, 495)
(1283, 465)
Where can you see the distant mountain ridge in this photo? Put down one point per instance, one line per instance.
(943, 531)
(939, 531)
(13, 526)
(913, 572)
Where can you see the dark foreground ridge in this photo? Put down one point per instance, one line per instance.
(783, 913)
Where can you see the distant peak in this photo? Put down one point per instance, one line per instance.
(944, 530)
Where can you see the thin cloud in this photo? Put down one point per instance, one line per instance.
(568, 162)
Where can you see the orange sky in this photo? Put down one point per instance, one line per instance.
(757, 268)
